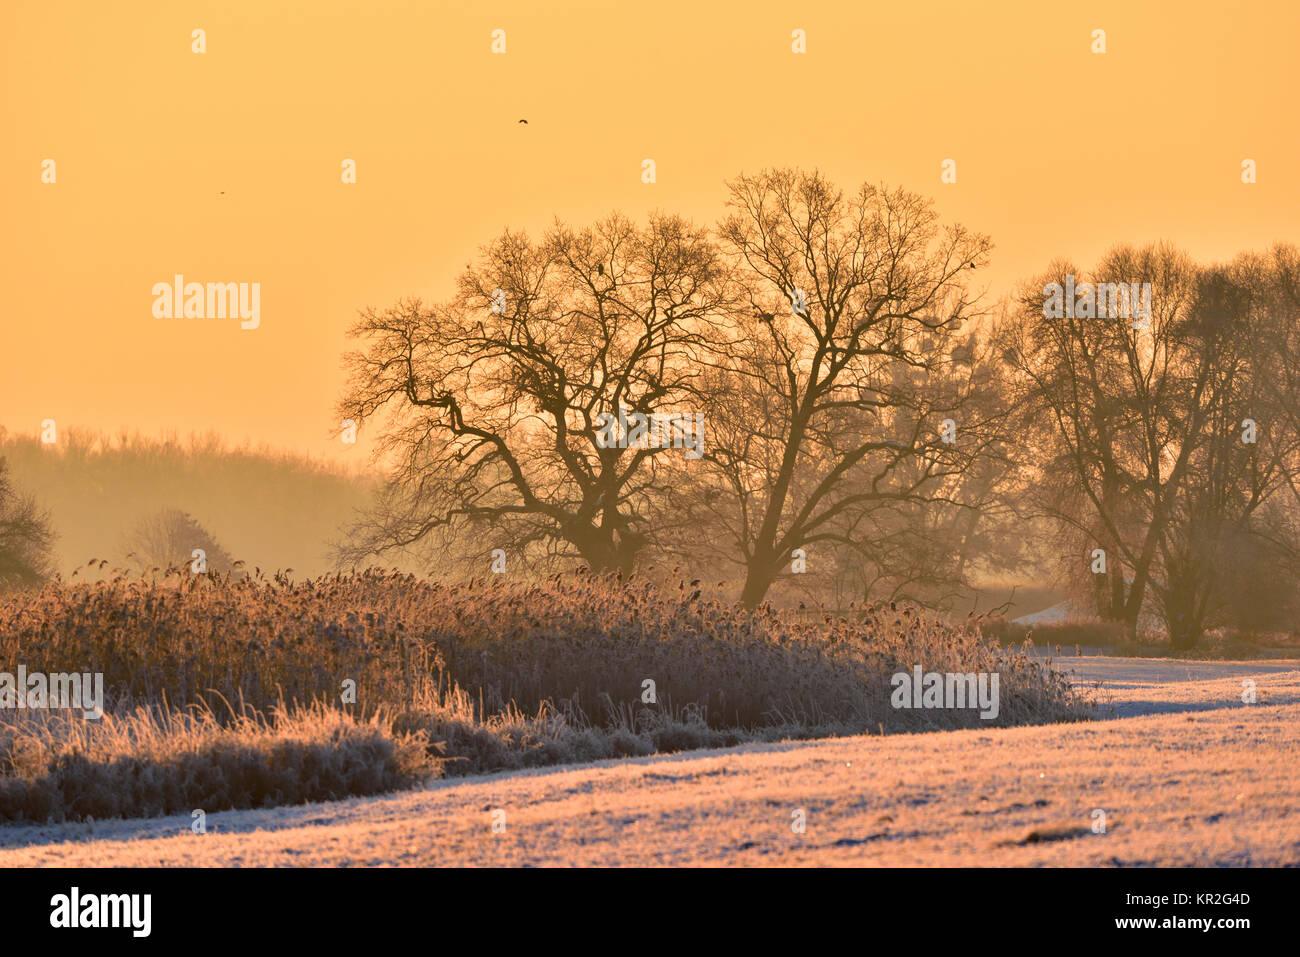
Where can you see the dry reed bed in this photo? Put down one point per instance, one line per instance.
(487, 675)
(151, 761)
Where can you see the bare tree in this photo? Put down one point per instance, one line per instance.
(167, 539)
(1274, 281)
(494, 407)
(1132, 443)
(1097, 397)
(831, 396)
(1248, 451)
(25, 537)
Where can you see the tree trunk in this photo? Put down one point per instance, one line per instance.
(1185, 632)
(758, 580)
(603, 554)
(1184, 617)
(1117, 594)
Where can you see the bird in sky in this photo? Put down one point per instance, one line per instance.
(525, 122)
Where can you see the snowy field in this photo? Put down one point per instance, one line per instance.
(1184, 772)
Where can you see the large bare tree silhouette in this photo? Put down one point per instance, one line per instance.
(491, 404)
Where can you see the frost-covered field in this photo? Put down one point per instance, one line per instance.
(1186, 774)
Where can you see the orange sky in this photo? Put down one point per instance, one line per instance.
(1059, 152)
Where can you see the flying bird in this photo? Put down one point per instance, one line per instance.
(525, 122)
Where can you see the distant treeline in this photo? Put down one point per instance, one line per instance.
(102, 495)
